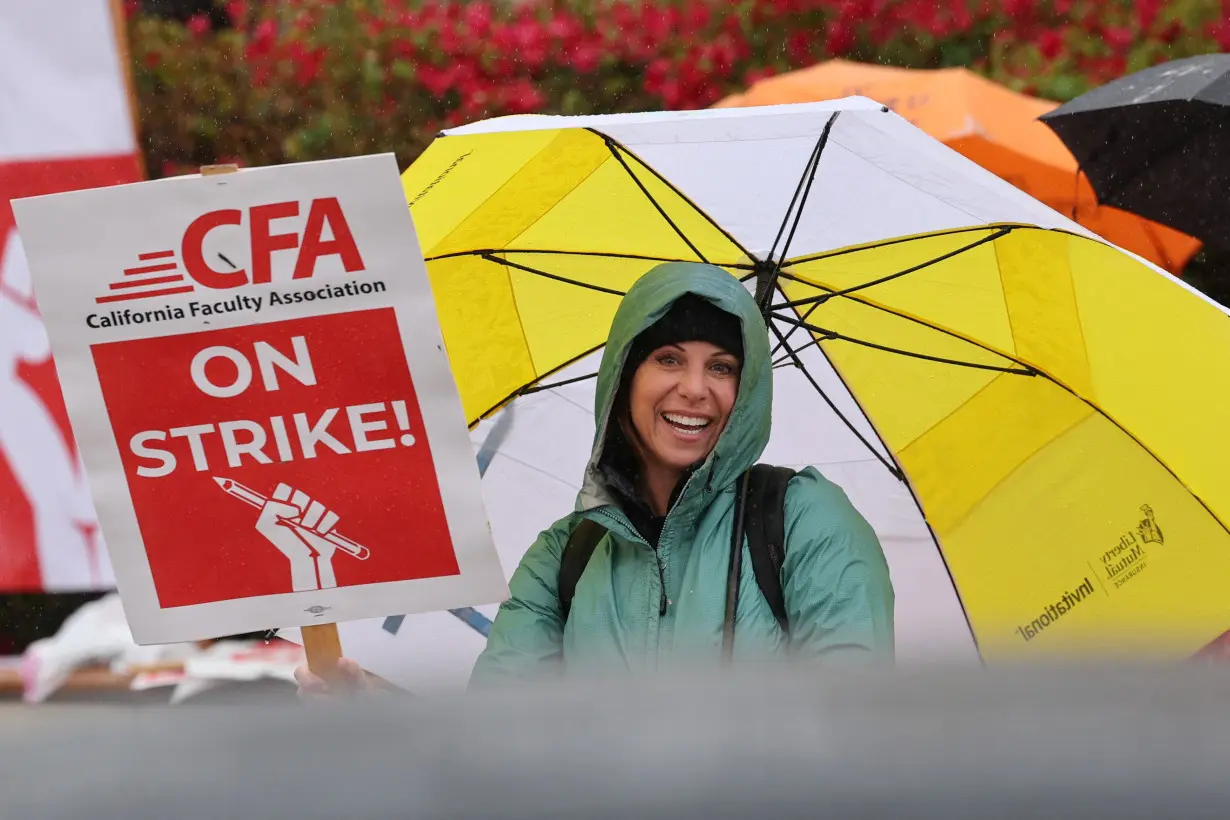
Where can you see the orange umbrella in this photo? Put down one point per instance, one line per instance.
(993, 126)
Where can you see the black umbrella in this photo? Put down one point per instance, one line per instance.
(1157, 143)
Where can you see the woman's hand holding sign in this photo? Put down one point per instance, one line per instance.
(353, 679)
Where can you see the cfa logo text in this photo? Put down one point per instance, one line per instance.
(325, 233)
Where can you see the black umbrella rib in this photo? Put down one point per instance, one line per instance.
(802, 189)
(613, 147)
(1023, 370)
(765, 288)
(810, 310)
(899, 240)
(890, 312)
(791, 356)
(824, 297)
(809, 174)
(816, 301)
(520, 390)
(888, 465)
(491, 257)
(537, 388)
(798, 190)
(559, 252)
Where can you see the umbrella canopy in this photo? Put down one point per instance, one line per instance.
(1011, 378)
(992, 125)
(1157, 143)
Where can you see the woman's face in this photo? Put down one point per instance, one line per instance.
(679, 401)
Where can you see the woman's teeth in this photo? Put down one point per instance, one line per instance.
(689, 424)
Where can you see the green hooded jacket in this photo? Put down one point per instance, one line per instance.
(835, 579)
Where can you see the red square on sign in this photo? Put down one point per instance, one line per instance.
(275, 458)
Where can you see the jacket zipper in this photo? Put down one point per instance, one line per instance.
(663, 601)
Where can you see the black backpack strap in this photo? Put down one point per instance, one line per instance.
(765, 525)
(581, 544)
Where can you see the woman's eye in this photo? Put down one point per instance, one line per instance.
(668, 359)
(723, 368)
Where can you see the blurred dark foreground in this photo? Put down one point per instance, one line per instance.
(1119, 743)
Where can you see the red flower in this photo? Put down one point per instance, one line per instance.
(527, 43)
(430, 10)
(401, 49)
(656, 75)
(705, 96)
(237, 10)
(671, 93)
(198, 25)
(799, 47)
(1221, 33)
(1105, 69)
(436, 80)
(477, 17)
(773, 8)
(722, 55)
(757, 74)
(622, 15)
(1051, 44)
(449, 41)
(307, 63)
(522, 97)
(1019, 10)
(839, 39)
(585, 57)
(695, 16)
(1147, 12)
(656, 24)
(564, 28)
(733, 25)
(1119, 39)
(373, 27)
(1171, 33)
(689, 71)
(262, 39)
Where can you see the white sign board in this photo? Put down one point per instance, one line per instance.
(254, 370)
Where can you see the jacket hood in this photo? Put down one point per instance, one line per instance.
(747, 430)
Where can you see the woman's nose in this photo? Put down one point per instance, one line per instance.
(692, 383)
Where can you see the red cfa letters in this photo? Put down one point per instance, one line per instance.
(265, 240)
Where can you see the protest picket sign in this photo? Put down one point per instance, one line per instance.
(253, 367)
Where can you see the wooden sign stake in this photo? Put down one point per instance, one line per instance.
(321, 643)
